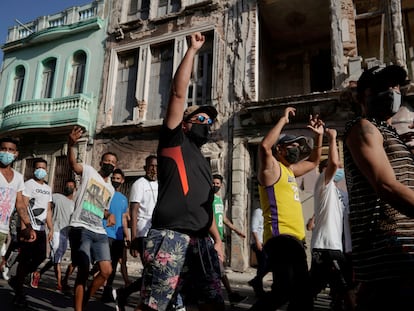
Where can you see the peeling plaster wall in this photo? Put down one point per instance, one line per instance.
(234, 24)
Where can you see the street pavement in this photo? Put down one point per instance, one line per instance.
(46, 298)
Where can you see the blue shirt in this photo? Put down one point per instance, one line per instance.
(118, 207)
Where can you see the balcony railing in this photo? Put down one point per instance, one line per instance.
(47, 113)
(69, 16)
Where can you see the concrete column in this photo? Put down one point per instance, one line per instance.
(397, 35)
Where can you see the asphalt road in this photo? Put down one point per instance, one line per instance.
(46, 298)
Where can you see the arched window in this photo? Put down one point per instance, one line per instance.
(78, 72)
(18, 83)
(48, 75)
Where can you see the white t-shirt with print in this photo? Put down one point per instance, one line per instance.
(92, 199)
(8, 192)
(144, 192)
(39, 197)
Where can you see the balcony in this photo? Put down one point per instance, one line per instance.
(62, 21)
(48, 113)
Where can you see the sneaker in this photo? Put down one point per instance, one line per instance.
(12, 258)
(5, 273)
(58, 289)
(120, 299)
(34, 279)
(236, 298)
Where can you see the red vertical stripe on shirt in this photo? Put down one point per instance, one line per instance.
(175, 153)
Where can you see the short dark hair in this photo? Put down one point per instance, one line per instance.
(322, 165)
(9, 139)
(110, 153)
(218, 176)
(70, 180)
(39, 160)
(149, 158)
(118, 171)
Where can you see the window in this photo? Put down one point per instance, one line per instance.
(168, 6)
(160, 79)
(140, 7)
(62, 174)
(142, 79)
(199, 91)
(78, 72)
(125, 87)
(48, 75)
(372, 30)
(18, 83)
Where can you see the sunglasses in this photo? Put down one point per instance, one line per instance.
(202, 119)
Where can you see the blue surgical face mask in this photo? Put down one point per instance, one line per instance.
(40, 173)
(6, 157)
(339, 175)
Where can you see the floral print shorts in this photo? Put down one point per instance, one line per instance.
(179, 268)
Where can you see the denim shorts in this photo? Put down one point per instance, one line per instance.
(59, 244)
(177, 266)
(88, 245)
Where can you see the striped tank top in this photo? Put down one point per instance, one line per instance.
(282, 209)
(382, 237)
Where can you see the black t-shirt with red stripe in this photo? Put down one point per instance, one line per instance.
(185, 192)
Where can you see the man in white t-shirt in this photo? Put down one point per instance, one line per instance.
(88, 239)
(37, 196)
(63, 206)
(329, 265)
(142, 198)
(11, 187)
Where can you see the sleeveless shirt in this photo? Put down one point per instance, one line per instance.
(382, 237)
(282, 209)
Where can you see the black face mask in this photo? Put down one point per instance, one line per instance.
(116, 184)
(68, 191)
(292, 155)
(199, 133)
(216, 189)
(107, 169)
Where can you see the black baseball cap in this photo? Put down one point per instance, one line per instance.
(287, 139)
(381, 78)
(193, 110)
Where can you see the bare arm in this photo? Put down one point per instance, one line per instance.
(110, 218)
(49, 221)
(303, 167)
(229, 224)
(365, 143)
(21, 207)
(333, 156)
(269, 169)
(73, 138)
(259, 244)
(125, 220)
(180, 83)
(133, 209)
(218, 243)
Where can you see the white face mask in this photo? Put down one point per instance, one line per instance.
(385, 104)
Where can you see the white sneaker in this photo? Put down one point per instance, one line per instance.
(5, 273)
